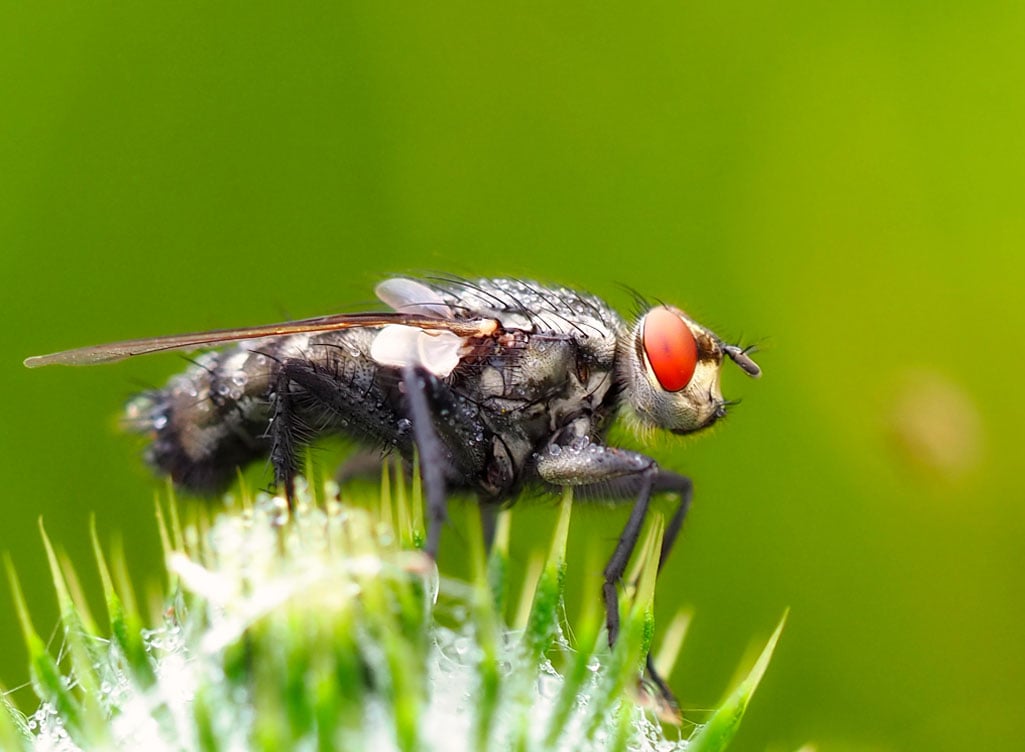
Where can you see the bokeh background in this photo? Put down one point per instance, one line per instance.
(838, 182)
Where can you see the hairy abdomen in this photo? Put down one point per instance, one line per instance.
(215, 417)
(209, 420)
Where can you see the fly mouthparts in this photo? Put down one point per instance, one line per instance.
(739, 356)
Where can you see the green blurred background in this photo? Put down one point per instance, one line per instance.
(840, 182)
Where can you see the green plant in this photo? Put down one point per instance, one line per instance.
(327, 628)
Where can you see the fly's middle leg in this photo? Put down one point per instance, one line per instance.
(448, 433)
(431, 455)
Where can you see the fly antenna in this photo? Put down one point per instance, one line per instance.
(739, 355)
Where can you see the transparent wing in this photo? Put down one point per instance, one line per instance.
(109, 353)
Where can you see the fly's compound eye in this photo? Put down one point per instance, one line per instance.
(670, 348)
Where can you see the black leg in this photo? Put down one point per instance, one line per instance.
(618, 473)
(448, 431)
(432, 455)
(683, 486)
(678, 484)
(310, 400)
(670, 482)
(488, 523)
(614, 570)
(663, 688)
(283, 427)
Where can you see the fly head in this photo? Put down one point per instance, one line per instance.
(670, 367)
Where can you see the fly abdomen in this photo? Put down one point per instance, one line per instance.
(268, 399)
(208, 421)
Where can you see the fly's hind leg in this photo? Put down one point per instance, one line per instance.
(310, 400)
(619, 473)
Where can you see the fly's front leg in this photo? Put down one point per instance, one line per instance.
(619, 473)
(595, 465)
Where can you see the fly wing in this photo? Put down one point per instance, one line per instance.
(400, 346)
(115, 351)
(409, 296)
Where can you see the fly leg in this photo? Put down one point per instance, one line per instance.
(488, 523)
(673, 483)
(284, 430)
(662, 481)
(448, 432)
(620, 473)
(432, 455)
(310, 400)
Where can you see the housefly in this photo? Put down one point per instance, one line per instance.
(496, 385)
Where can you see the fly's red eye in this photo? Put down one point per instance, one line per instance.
(670, 348)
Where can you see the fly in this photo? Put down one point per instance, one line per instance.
(496, 385)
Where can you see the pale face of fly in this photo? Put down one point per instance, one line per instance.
(670, 365)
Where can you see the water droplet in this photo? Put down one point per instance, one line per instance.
(548, 686)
